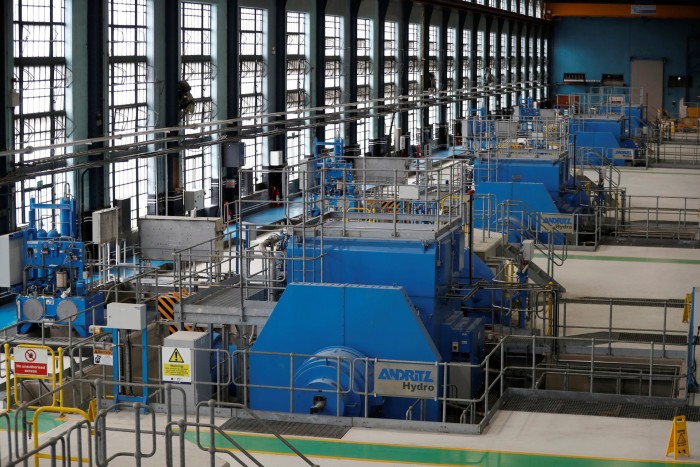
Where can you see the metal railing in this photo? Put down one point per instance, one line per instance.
(675, 153)
(660, 217)
(516, 217)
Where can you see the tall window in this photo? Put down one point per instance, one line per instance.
(523, 63)
(451, 74)
(481, 61)
(538, 66)
(391, 75)
(297, 69)
(433, 52)
(332, 66)
(414, 71)
(40, 79)
(490, 71)
(364, 80)
(252, 86)
(504, 66)
(128, 109)
(531, 60)
(467, 60)
(513, 61)
(545, 67)
(195, 46)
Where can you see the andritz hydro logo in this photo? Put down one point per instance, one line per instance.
(413, 380)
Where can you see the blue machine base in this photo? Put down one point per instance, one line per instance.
(80, 323)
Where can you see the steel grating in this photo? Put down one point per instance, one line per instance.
(285, 428)
(521, 403)
(671, 339)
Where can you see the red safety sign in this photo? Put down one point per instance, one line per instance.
(31, 361)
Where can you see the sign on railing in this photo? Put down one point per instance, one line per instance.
(405, 380)
(562, 222)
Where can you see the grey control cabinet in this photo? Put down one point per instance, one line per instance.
(193, 346)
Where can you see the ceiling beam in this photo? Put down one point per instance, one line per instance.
(599, 10)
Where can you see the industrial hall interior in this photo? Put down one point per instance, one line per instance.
(349, 233)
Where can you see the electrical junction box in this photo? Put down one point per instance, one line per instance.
(160, 236)
(233, 154)
(128, 316)
(105, 225)
(409, 192)
(11, 259)
(192, 354)
(528, 249)
(194, 200)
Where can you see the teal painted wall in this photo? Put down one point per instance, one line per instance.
(605, 45)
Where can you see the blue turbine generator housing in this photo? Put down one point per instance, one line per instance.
(372, 311)
(54, 286)
(530, 164)
(608, 126)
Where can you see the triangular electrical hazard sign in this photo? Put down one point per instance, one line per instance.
(176, 357)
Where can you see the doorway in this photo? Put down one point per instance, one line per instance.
(649, 75)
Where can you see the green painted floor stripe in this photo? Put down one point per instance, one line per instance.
(629, 259)
(47, 421)
(648, 172)
(344, 450)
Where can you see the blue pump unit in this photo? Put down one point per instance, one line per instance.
(55, 286)
(333, 179)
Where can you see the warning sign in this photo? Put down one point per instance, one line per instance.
(102, 357)
(176, 357)
(177, 364)
(678, 440)
(31, 361)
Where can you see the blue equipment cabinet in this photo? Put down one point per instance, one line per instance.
(55, 286)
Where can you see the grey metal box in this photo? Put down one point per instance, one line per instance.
(10, 259)
(126, 316)
(194, 200)
(105, 225)
(460, 378)
(160, 236)
(200, 389)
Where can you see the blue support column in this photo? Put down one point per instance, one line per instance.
(116, 366)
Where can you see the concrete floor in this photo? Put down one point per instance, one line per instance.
(512, 439)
